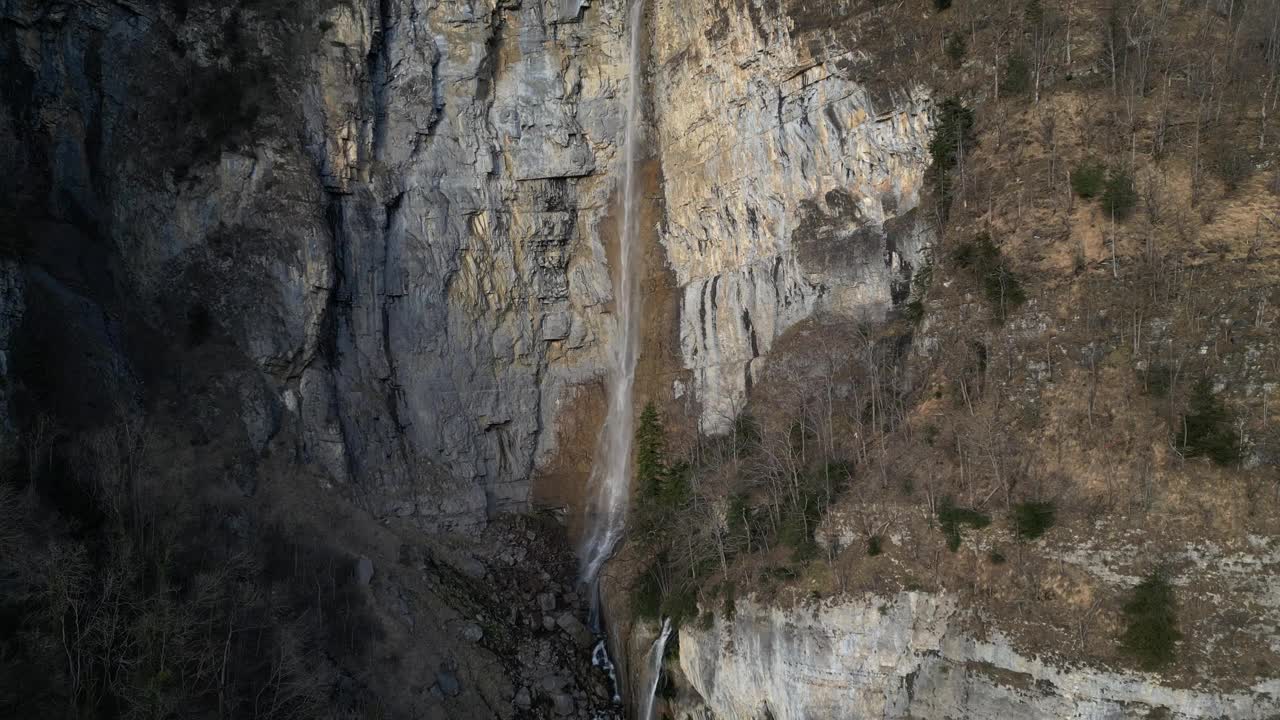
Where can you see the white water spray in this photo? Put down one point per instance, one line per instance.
(600, 658)
(610, 476)
(653, 663)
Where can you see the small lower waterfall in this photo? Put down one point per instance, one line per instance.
(653, 665)
(600, 658)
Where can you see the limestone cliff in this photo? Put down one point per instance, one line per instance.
(791, 185)
(904, 657)
(393, 210)
(354, 255)
(389, 208)
(339, 261)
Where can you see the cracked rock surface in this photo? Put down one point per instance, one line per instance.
(388, 209)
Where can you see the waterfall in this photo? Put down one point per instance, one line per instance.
(654, 665)
(611, 473)
(600, 658)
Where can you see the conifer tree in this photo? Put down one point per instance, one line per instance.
(1152, 631)
(651, 450)
(1206, 429)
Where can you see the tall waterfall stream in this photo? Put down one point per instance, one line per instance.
(611, 473)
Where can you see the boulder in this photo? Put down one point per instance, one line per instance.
(364, 571)
(575, 629)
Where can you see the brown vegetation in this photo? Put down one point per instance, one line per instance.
(1075, 399)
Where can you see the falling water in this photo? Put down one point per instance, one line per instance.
(654, 665)
(611, 473)
(600, 658)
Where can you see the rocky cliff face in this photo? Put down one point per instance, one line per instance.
(471, 281)
(393, 210)
(791, 185)
(904, 656)
(347, 245)
(389, 209)
(367, 241)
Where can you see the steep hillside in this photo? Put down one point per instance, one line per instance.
(1072, 391)
(290, 290)
(955, 395)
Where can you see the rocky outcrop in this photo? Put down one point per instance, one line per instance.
(514, 639)
(470, 279)
(392, 210)
(389, 209)
(791, 184)
(908, 656)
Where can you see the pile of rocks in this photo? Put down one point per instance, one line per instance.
(536, 622)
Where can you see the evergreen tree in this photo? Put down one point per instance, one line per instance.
(1032, 519)
(1089, 179)
(1017, 74)
(1206, 429)
(1153, 622)
(951, 140)
(675, 485)
(651, 450)
(1119, 195)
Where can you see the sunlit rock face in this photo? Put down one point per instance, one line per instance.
(791, 188)
(393, 210)
(908, 656)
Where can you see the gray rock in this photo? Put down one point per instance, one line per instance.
(473, 632)
(448, 683)
(472, 568)
(553, 682)
(555, 326)
(512, 556)
(547, 601)
(575, 629)
(522, 699)
(564, 705)
(825, 205)
(364, 571)
(928, 668)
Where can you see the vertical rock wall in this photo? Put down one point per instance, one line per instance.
(471, 259)
(791, 184)
(392, 209)
(389, 208)
(907, 656)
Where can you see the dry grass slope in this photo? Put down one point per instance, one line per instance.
(1075, 398)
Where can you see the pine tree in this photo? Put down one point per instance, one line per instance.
(951, 140)
(675, 485)
(651, 448)
(1153, 622)
(1206, 429)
